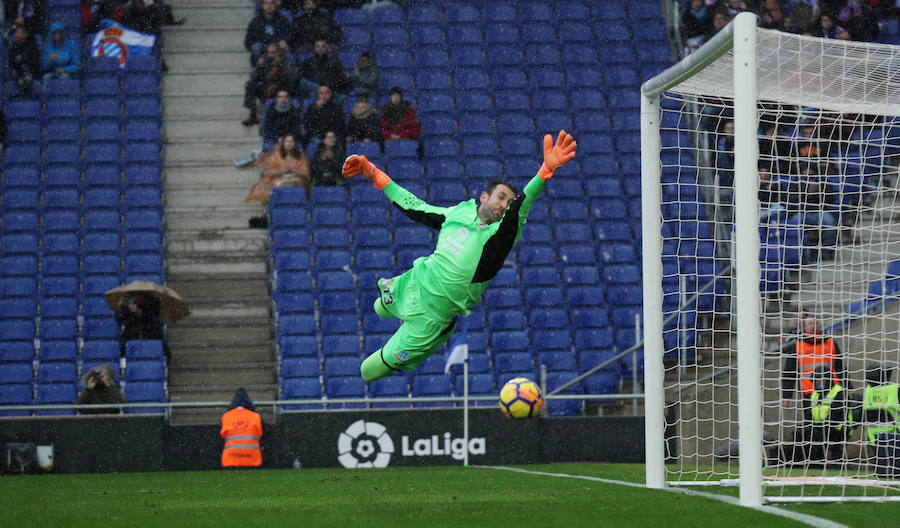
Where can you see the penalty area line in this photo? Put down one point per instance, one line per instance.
(811, 520)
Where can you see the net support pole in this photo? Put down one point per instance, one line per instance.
(466, 410)
(651, 213)
(746, 225)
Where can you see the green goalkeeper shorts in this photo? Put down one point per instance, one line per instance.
(421, 332)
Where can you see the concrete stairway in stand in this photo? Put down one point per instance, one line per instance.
(214, 260)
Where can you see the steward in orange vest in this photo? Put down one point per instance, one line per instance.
(242, 431)
(812, 351)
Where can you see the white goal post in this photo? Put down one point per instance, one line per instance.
(714, 378)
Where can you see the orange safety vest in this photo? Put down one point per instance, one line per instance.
(809, 357)
(242, 430)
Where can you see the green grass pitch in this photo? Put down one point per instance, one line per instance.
(429, 497)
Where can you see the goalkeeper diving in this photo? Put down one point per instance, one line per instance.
(472, 244)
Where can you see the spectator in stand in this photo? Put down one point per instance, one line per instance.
(314, 25)
(719, 21)
(323, 69)
(772, 147)
(772, 14)
(100, 387)
(61, 57)
(268, 26)
(93, 11)
(860, 20)
(807, 196)
(323, 116)
(733, 7)
(770, 194)
(328, 162)
(365, 76)
(140, 315)
(828, 29)
(24, 59)
(805, 14)
(725, 154)
(285, 164)
(398, 118)
(273, 73)
(696, 23)
(364, 124)
(29, 13)
(281, 119)
(145, 16)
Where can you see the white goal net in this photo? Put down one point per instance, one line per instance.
(776, 224)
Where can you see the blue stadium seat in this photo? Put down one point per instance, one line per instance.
(331, 237)
(506, 320)
(401, 149)
(299, 346)
(21, 131)
(329, 215)
(145, 349)
(17, 308)
(588, 318)
(513, 363)
(59, 286)
(564, 407)
(293, 282)
(511, 341)
(502, 297)
(20, 221)
(373, 324)
(300, 367)
(431, 385)
(294, 303)
(582, 295)
(18, 394)
(341, 365)
(22, 154)
(97, 285)
(334, 281)
(390, 387)
(292, 260)
(479, 385)
(143, 198)
(101, 108)
(17, 351)
(301, 389)
(546, 318)
(338, 323)
(140, 263)
(18, 287)
(104, 351)
(142, 174)
(338, 302)
(58, 307)
(56, 393)
(62, 372)
(433, 101)
(283, 239)
(142, 153)
(145, 371)
(145, 392)
(288, 217)
(462, 14)
(543, 297)
(17, 373)
(540, 276)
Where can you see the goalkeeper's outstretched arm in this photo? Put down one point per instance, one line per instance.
(413, 207)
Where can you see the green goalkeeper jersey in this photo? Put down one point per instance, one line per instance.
(469, 253)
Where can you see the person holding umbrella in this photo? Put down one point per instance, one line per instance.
(139, 316)
(142, 307)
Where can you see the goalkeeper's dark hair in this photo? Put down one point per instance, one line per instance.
(494, 183)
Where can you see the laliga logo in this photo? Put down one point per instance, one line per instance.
(365, 445)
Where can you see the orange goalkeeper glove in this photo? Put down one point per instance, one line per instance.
(355, 164)
(555, 156)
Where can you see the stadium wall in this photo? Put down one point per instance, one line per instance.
(335, 439)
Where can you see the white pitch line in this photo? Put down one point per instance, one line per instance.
(811, 520)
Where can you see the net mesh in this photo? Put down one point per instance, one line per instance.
(829, 146)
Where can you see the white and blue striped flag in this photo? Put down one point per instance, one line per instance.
(120, 42)
(459, 350)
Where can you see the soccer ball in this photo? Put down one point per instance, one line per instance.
(520, 398)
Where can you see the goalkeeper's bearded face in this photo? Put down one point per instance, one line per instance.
(496, 203)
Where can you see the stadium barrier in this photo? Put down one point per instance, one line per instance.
(352, 438)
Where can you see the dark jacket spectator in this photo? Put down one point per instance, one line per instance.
(696, 21)
(828, 29)
(30, 13)
(100, 387)
(314, 25)
(267, 26)
(61, 57)
(93, 11)
(324, 69)
(772, 14)
(273, 73)
(282, 119)
(327, 162)
(140, 316)
(364, 124)
(860, 20)
(145, 16)
(324, 116)
(398, 118)
(365, 76)
(24, 59)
